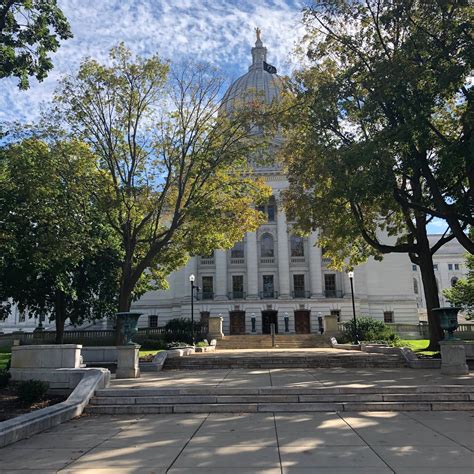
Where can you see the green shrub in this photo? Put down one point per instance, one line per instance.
(202, 344)
(32, 391)
(182, 325)
(4, 378)
(150, 343)
(369, 330)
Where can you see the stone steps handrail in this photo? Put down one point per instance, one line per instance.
(24, 426)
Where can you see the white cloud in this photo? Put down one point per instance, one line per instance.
(218, 31)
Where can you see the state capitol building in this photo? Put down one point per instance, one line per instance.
(272, 276)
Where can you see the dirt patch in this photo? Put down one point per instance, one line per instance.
(10, 406)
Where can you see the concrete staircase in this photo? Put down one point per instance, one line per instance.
(282, 341)
(272, 360)
(281, 399)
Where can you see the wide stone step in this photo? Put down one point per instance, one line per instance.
(318, 398)
(281, 399)
(279, 407)
(283, 390)
(265, 341)
(346, 361)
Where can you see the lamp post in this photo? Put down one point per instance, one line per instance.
(193, 287)
(351, 278)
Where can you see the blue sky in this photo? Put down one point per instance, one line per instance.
(217, 31)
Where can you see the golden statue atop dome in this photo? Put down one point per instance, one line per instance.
(257, 32)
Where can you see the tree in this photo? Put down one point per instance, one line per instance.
(57, 254)
(177, 168)
(461, 294)
(376, 134)
(412, 62)
(29, 31)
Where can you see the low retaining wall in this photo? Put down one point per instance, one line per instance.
(99, 354)
(29, 424)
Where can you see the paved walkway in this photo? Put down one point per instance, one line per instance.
(298, 378)
(296, 443)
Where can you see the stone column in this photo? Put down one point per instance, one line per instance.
(283, 255)
(190, 268)
(221, 274)
(315, 267)
(251, 257)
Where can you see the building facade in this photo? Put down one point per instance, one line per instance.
(272, 276)
(449, 266)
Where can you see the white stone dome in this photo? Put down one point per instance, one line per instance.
(257, 83)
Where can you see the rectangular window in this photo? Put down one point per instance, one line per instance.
(298, 286)
(237, 250)
(450, 266)
(237, 286)
(153, 321)
(271, 212)
(330, 284)
(388, 316)
(456, 266)
(207, 288)
(413, 267)
(297, 246)
(268, 287)
(336, 312)
(435, 266)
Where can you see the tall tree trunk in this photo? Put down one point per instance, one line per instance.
(125, 301)
(430, 287)
(60, 310)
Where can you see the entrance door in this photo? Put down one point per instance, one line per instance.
(302, 322)
(269, 317)
(237, 322)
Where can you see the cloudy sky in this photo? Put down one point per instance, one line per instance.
(218, 31)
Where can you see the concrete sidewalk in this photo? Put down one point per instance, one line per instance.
(297, 378)
(296, 443)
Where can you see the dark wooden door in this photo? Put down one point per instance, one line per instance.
(302, 322)
(237, 322)
(269, 318)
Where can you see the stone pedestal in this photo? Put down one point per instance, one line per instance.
(127, 362)
(215, 327)
(330, 325)
(453, 358)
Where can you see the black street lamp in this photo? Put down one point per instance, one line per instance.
(193, 287)
(351, 278)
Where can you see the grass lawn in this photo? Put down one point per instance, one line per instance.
(4, 356)
(145, 353)
(418, 346)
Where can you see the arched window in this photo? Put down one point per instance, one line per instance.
(454, 280)
(237, 250)
(297, 246)
(415, 285)
(267, 246)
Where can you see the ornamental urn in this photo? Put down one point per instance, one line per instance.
(448, 319)
(127, 326)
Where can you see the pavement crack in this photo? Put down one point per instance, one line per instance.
(366, 443)
(189, 440)
(278, 443)
(436, 431)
